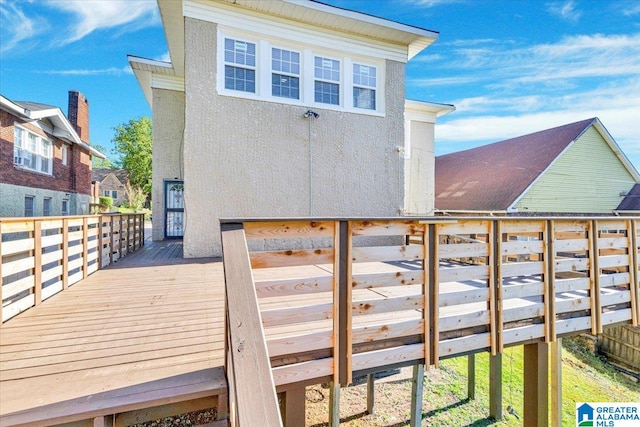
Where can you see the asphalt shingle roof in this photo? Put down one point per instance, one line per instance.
(491, 177)
(631, 202)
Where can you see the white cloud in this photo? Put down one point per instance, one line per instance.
(566, 10)
(165, 57)
(114, 71)
(90, 16)
(431, 3)
(17, 27)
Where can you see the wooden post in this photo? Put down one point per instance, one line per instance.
(550, 283)
(471, 376)
(111, 239)
(434, 288)
(334, 404)
(85, 247)
(417, 388)
(556, 383)
(222, 407)
(536, 384)
(37, 261)
(65, 253)
(370, 394)
(633, 272)
(344, 304)
(100, 248)
(495, 386)
(294, 407)
(1, 316)
(497, 343)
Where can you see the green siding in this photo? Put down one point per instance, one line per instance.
(587, 177)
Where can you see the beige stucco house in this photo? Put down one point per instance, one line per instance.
(283, 109)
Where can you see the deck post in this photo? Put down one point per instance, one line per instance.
(222, 407)
(334, 404)
(293, 407)
(417, 388)
(37, 261)
(471, 376)
(104, 421)
(556, 383)
(495, 386)
(370, 394)
(536, 384)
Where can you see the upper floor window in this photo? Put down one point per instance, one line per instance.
(290, 72)
(327, 80)
(32, 151)
(65, 155)
(364, 86)
(285, 77)
(240, 65)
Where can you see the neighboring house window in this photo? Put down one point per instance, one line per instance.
(65, 207)
(285, 80)
(327, 80)
(31, 151)
(364, 86)
(240, 65)
(65, 155)
(110, 193)
(46, 206)
(29, 205)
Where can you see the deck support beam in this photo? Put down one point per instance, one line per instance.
(556, 383)
(536, 384)
(495, 386)
(293, 407)
(471, 376)
(370, 394)
(417, 388)
(334, 404)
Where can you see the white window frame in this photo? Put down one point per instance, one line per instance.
(264, 72)
(65, 154)
(328, 80)
(29, 145)
(239, 65)
(289, 73)
(361, 85)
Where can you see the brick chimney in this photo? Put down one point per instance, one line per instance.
(79, 114)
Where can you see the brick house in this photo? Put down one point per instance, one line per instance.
(45, 158)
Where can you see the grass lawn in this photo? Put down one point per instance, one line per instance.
(585, 378)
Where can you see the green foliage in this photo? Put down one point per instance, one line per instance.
(133, 145)
(105, 202)
(101, 163)
(136, 197)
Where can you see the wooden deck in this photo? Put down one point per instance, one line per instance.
(144, 332)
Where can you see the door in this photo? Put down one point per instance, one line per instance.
(173, 209)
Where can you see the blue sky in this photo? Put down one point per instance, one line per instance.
(510, 67)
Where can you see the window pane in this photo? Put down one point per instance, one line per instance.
(17, 137)
(33, 143)
(285, 61)
(364, 75)
(327, 93)
(285, 86)
(240, 52)
(236, 78)
(327, 69)
(28, 206)
(44, 164)
(46, 207)
(364, 98)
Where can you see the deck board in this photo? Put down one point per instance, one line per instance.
(145, 331)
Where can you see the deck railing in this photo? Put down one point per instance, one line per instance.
(339, 298)
(40, 257)
(252, 396)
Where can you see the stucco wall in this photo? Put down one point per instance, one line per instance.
(587, 177)
(12, 201)
(168, 125)
(246, 158)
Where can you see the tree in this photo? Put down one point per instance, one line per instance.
(97, 162)
(133, 146)
(135, 197)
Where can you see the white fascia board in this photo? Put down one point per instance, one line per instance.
(616, 149)
(159, 81)
(423, 111)
(12, 107)
(278, 28)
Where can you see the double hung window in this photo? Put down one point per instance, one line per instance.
(31, 151)
(285, 76)
(239, 65)
(327, 80)
(29, 205)
(364, 86)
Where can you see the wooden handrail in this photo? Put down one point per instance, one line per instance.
(42, 256)
(253, 399)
